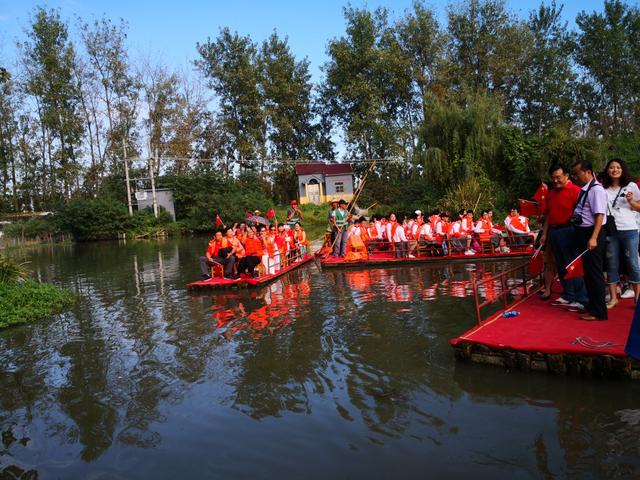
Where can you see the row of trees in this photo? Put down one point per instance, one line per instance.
(476, 107)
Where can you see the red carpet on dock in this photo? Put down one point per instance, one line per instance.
(543, 328)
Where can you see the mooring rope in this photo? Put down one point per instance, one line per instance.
(589, 342)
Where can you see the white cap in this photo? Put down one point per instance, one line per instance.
(418, 212)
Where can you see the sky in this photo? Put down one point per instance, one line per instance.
(170, 30)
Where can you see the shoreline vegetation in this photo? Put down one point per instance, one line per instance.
(24, 300)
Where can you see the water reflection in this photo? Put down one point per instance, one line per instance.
(144, 380)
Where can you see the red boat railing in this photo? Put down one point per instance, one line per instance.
(519, 273)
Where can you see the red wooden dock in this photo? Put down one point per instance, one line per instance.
(552, 339)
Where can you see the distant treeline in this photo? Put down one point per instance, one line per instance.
(465, 113)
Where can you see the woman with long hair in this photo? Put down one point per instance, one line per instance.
(623, 204)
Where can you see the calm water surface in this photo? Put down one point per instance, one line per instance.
(345, 374)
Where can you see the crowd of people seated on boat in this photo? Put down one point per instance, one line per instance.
(254, 250)
(437, 234)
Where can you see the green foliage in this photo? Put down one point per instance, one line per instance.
(105, 218)
(34, 229)
(30, 301)
(198, 198)
(11, 270)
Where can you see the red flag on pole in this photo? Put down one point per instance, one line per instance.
(270, 214)
(574, 269)
(541, 197)
(218, 221)
(248, 214)
(529, 208)
(536, 264)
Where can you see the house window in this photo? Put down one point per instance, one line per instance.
(339, 187)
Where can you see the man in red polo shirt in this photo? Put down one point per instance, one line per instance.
(558, 239)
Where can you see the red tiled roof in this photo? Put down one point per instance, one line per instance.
(325, 168)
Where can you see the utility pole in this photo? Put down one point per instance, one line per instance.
(153, 183)
(126, 176)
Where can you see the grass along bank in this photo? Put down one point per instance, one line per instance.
(25, 301)
(314, 218)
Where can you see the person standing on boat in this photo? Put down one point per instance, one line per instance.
(558, 238)
(294, 214)
(589, 219)
(623, 206)
(217, 254)
(340, 223)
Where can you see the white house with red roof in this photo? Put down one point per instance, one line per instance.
(320, 182)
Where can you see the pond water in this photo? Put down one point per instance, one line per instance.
(338, 374)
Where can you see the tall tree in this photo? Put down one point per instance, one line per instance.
(110, 76)
(368, 85)
(50, 60)
(544, 88)
(286, 84)
(606, 52)
(487, 49)
(230, 64)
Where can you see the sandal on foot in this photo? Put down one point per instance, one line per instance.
(591, 318)
(610, 305)
(545, 296)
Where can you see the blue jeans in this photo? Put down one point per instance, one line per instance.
(625, 242)
(564, 243)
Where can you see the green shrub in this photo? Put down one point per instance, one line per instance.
(11, 270)
(35, 228)
(29, 301)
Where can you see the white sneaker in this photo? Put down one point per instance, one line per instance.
(628, 293)
(469, 252)
(607, 297)
(576, 305)
(412, 256)
(560, 302)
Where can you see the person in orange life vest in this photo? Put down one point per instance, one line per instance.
(300, 238)
(282, 244)
(484, 229)
(220, 251)
(445, 231)
(396, 235)
(291, 243)
(253, 254)
(460, 239)
(213, 256)
(374, 234)
(519, 225)
(237, 249)
(356, 247)
(414, 227)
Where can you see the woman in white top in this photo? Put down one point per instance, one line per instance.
(623, 202)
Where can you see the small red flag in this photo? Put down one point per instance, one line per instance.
(248, 214)
(271, 213)
(541, 195)
(218, 221)
(536, 264)
(574, 269)
(529, 208)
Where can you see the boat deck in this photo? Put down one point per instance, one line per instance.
(553, 339)
(222, 283)
(387, 258)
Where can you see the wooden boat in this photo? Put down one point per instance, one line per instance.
(219, 282)
(387, 258)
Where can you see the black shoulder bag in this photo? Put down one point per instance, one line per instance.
(576, 219)
(610, 227)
